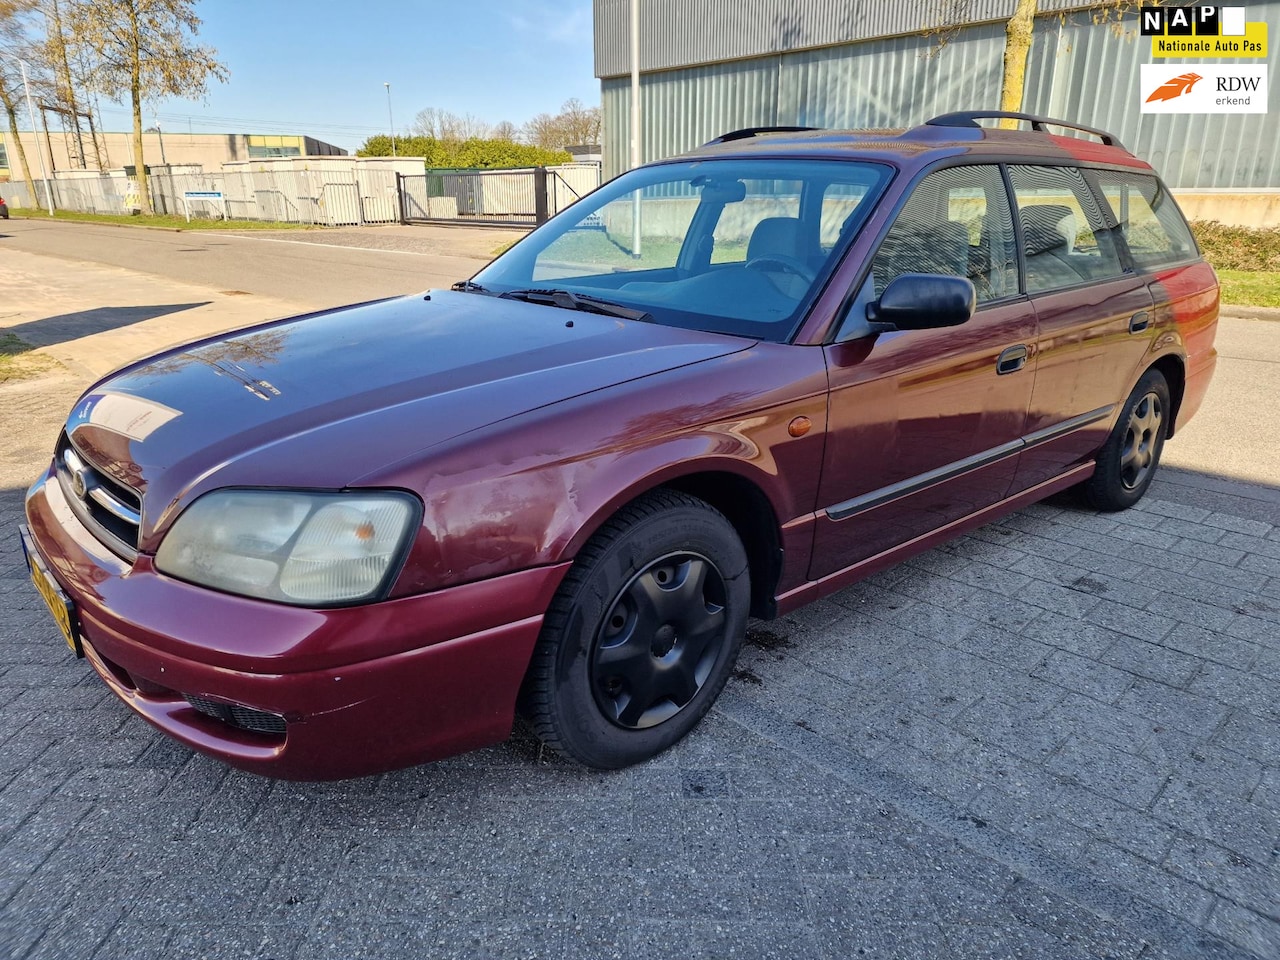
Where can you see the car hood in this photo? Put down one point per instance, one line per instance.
(322, 400)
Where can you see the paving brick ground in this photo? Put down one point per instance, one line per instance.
(1058, 737)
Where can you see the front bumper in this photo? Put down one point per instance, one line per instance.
(361, 689)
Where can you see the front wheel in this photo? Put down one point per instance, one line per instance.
(643, 633)
(1128, 461)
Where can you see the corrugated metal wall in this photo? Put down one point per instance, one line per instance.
(681, 33)
(1078, 70)
(1090, 72)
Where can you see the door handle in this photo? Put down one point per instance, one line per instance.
(1012, 359)
(1139, 321)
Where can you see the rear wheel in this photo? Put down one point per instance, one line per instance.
(1128, 461)
(642, 634)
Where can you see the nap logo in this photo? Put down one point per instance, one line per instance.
(1203, 30)
(1203, 21)
(1210, 88)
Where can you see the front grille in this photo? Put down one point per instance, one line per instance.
(245, 718)
(110, 510)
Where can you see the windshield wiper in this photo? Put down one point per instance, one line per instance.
(577, 301)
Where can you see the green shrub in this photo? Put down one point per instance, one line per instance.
(464, 154)
(1255, 249)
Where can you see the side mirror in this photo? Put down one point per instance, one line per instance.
(924, 301)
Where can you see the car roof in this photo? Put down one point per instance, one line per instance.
(950, 135)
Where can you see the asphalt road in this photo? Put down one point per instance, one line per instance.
(286, 266)
(1056, 738)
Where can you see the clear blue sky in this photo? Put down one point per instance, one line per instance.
(317, 67)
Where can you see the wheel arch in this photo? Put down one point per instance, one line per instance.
(1174, 370)
(741, 499)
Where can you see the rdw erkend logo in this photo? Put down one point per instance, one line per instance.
(1209, 88)
(1175, 87)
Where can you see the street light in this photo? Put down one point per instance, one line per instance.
(31, 111)
(389, 118)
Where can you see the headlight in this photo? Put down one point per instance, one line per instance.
(309, 549)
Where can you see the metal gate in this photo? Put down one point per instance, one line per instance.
(524, 197)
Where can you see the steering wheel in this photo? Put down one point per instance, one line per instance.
(781, 263)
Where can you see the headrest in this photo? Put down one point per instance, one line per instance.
(780, 235)
(1048, 226)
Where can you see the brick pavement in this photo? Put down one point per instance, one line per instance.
(1056, 737)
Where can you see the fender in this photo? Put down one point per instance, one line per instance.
(531, 490)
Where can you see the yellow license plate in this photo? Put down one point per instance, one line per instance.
(59, 604)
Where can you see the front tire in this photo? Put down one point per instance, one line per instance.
(1128, 461)
(642, 634)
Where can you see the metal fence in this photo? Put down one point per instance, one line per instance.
(16, 195)
(527, 196)
(333, 197)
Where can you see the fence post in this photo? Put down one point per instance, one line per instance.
(540, 204)
(400, 217)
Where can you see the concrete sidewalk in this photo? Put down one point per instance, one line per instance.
(93, 319)
(89, 320)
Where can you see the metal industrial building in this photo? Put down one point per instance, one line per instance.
(61, 151)
(709, 66)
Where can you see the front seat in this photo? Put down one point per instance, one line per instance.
(783, 237)
(776, 235)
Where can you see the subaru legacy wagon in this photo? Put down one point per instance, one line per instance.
(719, 387)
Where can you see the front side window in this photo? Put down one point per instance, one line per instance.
(957, 222)
(1066, 240)
(727, 246)
(1150, 222)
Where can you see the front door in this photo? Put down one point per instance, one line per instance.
(925, 426)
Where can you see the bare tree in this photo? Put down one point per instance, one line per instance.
(64, 84)
(580, 124)
(447, 126)
(574, 125)
(504, 130)
(543, 131)
(144, 50)
(15, 39)
(1017, 48)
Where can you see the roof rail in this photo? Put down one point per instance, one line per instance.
(748, 132)
(970, 118)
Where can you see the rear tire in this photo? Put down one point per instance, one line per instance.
(642, 634)
(1128, 461)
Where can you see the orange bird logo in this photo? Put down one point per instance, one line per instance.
(1175, 88)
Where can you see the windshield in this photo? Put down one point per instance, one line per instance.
(726, 246)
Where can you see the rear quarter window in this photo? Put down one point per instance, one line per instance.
(1149, 220)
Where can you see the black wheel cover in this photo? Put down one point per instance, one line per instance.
(656, 645)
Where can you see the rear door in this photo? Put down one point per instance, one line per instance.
(923, 426)
(1162, 249)
(1094, 317)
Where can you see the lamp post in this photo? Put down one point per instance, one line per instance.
(390, 120)
(31, 111)
(635, 123)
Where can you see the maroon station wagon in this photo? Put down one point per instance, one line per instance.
(720, 386)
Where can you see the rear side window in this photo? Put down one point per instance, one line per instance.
(1066, 239)
(957, 222)
(1150, 222)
